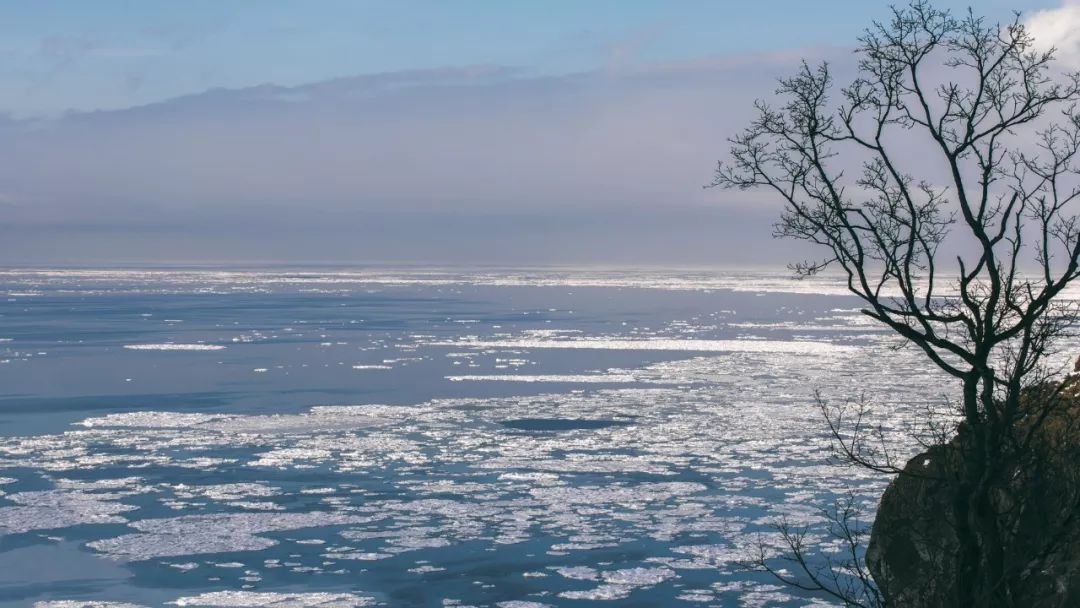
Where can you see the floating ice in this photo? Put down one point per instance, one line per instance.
(151, 420)
(85, 604)
(174, 347)
(319, 418)
(638, 493)
(638, 576)
(806, 347)
(357, 555)
(181, 281)
(714, 555)
(54, 509)
(233, 494)
(618, 584)
(252, 599)
(566, 378)
(580, 573)
(603, 592)
(218, 533)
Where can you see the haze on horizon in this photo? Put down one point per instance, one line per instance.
(403, 132)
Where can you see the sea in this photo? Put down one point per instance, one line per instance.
(433, 438)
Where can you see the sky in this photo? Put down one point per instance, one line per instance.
(465, 132)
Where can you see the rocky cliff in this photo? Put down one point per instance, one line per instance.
(913, 550)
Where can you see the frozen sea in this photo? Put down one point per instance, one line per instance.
(417, 438)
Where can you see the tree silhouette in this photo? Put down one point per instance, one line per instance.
(967, 262)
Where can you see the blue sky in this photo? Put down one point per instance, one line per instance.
(81, 55)
(510, 132)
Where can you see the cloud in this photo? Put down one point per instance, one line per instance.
(627, 51)
(469, 164)
(1058, 28)
(64, 50)
(122, 52)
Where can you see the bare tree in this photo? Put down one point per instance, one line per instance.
(967, 262)
(843, 576)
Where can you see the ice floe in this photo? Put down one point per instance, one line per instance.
(661, 344)
(174, 347)
(85, 604)
(219, 533)
(564, 378)
(253, 599)
(55, 509)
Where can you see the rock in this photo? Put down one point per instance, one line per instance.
(913, 547)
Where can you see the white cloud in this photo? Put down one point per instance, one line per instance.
(1059, 28)
(466, 165)
(124, 52)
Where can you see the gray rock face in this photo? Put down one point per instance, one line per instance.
(913, 549)
(912, 544)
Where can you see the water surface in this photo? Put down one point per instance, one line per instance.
(408, 438)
